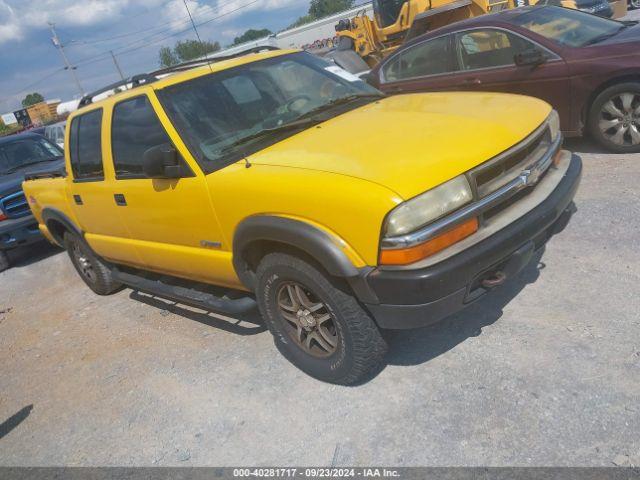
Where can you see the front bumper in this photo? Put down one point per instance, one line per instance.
(411, 298)
(16, 232)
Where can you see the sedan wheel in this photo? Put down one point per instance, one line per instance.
(635, 3)
(620, 119)
(614, 118)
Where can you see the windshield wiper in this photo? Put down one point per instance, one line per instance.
(340, 101)
(15, 169)
(605, 36)
(294, 125)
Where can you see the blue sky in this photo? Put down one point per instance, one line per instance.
(134, 30)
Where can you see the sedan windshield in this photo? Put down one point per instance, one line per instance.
(229, 114)
(19, 153)
(567, 26)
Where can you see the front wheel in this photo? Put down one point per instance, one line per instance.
(614, 118)
(317, 326)
(635, 3)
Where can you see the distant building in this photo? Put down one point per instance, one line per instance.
(42, 112)
(23, 118)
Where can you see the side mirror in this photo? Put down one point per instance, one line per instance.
(531, 57)
(161, 161)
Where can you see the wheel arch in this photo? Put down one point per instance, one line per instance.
(260, 234)
(622, 78)
(58, 223)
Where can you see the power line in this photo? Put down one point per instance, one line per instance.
(60, 47)
(33, 84)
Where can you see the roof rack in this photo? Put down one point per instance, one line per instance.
(205, 61)
(135, 81)
(146, 78)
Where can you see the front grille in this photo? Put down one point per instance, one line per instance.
(15, 205)
(499, 171)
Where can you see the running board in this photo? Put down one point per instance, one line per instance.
(187, 296)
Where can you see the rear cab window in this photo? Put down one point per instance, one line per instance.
(85, 147)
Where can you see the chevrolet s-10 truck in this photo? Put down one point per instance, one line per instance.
(279, 179)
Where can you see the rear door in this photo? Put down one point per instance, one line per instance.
(171, 221)
(486, 62)
(91, 190)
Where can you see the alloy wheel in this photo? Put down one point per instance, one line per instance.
(308, 320)
(635, 3)
(83, 263)
(619, 119)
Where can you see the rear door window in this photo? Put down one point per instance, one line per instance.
(432, 57)
(135, 129)
(85, 146)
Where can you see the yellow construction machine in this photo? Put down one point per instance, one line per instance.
(396, 21)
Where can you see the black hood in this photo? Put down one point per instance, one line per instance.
(12, 182)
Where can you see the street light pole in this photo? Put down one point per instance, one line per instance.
(68, 66)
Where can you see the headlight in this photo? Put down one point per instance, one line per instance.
(428, 207)
(554, 125)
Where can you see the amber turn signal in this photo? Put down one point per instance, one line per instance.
(405, 256)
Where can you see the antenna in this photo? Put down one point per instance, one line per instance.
(193, 24)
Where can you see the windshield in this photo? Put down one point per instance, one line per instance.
(19, 153)
(567, 26)
(230, 114)
(387, 11)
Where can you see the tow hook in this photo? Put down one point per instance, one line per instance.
(497, 279)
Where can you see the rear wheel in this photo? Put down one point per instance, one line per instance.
(320, 328)
(4, 261)
(95, 273)
(635, 3)
(614, 118)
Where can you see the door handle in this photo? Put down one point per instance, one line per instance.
(472, 81)
(120, 200)
(77, 199)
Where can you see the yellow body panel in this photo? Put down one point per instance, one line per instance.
(403, 146)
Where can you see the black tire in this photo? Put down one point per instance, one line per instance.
(93, 271)
(359, 347)
(634, 3)
(629, 119)
(4, 261)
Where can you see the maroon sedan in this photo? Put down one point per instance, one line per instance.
(586, 66)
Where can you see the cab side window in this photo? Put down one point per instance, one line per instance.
(135, 128)
(85, 146)
(429, 58)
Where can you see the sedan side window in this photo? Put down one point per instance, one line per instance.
(488, 48)
(429, 58)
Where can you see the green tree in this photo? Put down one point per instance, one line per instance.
(32, 99)
(251, 34)
(187, 50)
(322, 8)
(167, 57)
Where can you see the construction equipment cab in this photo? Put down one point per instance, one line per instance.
(278, 177)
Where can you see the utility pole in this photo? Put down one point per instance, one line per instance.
(60, 47)
(115, 61)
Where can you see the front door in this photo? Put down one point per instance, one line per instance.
(486, 62)
(171, 221)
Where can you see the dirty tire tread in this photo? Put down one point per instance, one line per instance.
(594, 111)
(368, 348)
(4, 261)
(104, 284)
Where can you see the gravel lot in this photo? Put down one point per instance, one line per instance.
(545, 371)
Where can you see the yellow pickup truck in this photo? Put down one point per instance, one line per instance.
(280, 179)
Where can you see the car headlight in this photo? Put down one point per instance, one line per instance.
(553, 120)
(429, 206)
